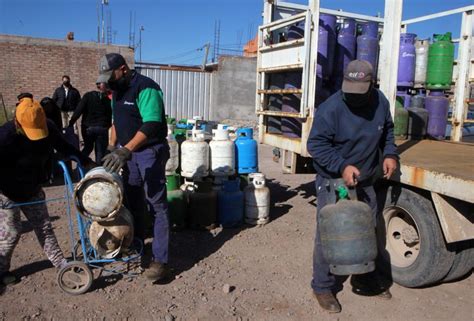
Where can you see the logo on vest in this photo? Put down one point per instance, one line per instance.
(129, 103)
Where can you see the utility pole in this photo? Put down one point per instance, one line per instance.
(140, 41)
(217, 36)
(98, 23)
(103, 3)
(131, 33)
(109, 27)
(206, 53)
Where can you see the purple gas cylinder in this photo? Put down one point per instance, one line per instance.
(370, 28)
(296, 31)
(406, 98)
(437, 106)
(368, 44)
(326, 45)
(345, 50)
(290, 126)
(275, 102)
(406, 60)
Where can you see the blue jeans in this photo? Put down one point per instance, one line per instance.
(145, 180)
(323, 281)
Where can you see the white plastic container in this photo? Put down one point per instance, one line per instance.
(172, 163)
(257, 200)
(99, 195)
(222, 151)
(421, 62)
(195, 156)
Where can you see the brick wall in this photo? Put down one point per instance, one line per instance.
(37, 65)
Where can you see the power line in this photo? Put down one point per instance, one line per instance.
(181, 55)
(190, 59)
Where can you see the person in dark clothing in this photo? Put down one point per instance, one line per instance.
(139, 127)
(26, 145)
(52, 112)
(352, 134)
(96, 120)
(66, 97)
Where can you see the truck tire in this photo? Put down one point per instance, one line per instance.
(411, 244)
(463, 262)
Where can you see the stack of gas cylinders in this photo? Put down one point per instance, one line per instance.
(425, 72)
(212, 176)
(339, 42)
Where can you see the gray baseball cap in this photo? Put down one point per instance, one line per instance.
(108, 63)
(357, 77)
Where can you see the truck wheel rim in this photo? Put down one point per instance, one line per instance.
(402, 237)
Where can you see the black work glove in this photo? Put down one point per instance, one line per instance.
(117, 159)
(110, 149)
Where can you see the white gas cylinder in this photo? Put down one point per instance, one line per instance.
(195, 156)
(222, 151)
(257, 200)
(98, 196)
(421, 61)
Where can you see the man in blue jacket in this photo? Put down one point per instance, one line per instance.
(352, 135)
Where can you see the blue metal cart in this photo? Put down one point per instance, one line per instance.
(76, 277)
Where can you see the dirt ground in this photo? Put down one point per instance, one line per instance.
(268, 268)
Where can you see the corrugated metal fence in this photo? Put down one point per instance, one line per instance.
(186, 93)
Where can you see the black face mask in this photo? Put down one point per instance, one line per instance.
(119, 84)
(358, 100)
(67, 83)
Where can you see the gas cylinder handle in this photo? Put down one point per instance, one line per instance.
(346, 192)
(352, 193)
(190, 188)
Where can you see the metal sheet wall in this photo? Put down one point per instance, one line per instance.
(186, 93)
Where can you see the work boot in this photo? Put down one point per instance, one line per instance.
(328, 302)
(364, 287)
(156, 272)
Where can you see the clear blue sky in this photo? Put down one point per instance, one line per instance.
(174, 29)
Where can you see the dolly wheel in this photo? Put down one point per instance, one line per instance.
(75, 278)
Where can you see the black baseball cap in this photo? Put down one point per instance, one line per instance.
(357, 77)
(108, 63)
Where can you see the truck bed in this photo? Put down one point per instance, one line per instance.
(443, 167)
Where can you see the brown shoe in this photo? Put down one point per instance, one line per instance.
(156, 272)
(328, 302)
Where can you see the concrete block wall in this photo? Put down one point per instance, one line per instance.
(233, 89)
(36, 65)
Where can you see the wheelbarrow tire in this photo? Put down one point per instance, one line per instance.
(75, 278)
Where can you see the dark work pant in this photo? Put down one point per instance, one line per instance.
(323, 281)
(145, 180)
(97, 138)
